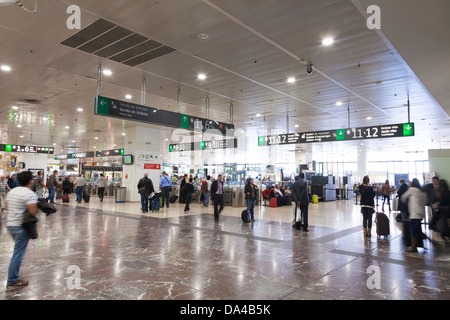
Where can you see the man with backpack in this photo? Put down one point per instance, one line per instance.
(145, 188)
(165, 184)
(206, 187)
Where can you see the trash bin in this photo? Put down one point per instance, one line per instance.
(315, 198)
(121, 194)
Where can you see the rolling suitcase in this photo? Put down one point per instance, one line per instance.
(173, 198)
(273, 202)
(86, 197)
(382, 222)
(65, 198)
(154, 204)
(244, 216)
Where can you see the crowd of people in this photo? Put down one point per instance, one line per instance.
(412, 202)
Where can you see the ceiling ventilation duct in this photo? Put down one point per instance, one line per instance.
(20, 4)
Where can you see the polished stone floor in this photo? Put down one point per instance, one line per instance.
(122, 254)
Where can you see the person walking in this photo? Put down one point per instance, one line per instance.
(386, 193)
(251, 192)
(165, 184)
(52, 184)
(39, 184)
(3, 190)
(79, 187)
(11, 181)
(301, 200)
(416, 200)
(66, 185)
(101, 185)
(145, 188)
(217, 196)
(188, 198)
(367, 195)
(18, 201)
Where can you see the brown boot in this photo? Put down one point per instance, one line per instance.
(368, 232)
(414, 242)
(365, 232)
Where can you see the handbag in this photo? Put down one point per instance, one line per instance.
(46, 207)
(142, 190)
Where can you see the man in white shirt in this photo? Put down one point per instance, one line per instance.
(18, 201)
(79, 187)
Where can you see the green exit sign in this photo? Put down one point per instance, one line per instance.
(8, 148)
(170, 147)
(408, 129)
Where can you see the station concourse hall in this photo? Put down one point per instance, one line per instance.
(225, 153)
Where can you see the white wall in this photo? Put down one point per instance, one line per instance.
(440, 163)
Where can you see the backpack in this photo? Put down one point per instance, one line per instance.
(204, 186)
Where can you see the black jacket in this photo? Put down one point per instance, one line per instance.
(400, 192)
(214, 188)
(147, 183)
(367, 195)
(248, 191)
(300, 192)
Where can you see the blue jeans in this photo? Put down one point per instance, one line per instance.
(51, 194)
(21, 239)
(250, 209)
(39, 193)
(79, 192)
(206, 195)
(144, 202)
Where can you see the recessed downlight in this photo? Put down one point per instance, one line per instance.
(258, 115)
(128, 96)
(19, 126)
(80, 109)
(107, 72)
(201, 76)
(203, 36)
(5, 68)
(291, 80)
(369, 118)
(339, 103)
(328, 41)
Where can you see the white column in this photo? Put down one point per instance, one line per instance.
(144, 145)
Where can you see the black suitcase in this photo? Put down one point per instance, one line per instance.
(244, 216)
(86, 197)
(173, 198)
(382, 222)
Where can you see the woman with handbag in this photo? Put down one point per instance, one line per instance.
(367, 205)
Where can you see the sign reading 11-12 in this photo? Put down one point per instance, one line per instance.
(372, 132)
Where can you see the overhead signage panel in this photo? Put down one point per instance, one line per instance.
(109, 153)
(26, 149)
(370, 132)
(204, 145)
(135, 112)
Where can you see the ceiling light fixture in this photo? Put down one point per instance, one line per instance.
(339, 103)
(201, 76)
(80, 109)
(20, 4)
(128, 96)
(124, 134)
(67, 127)
(15, 107)
(19, 126)
(202, 36)
(258, 115)
(328, 41)
(369, 118)
(5, 68)
(107, 72)
(291, 80)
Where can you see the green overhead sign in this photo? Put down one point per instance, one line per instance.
(361, 133)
